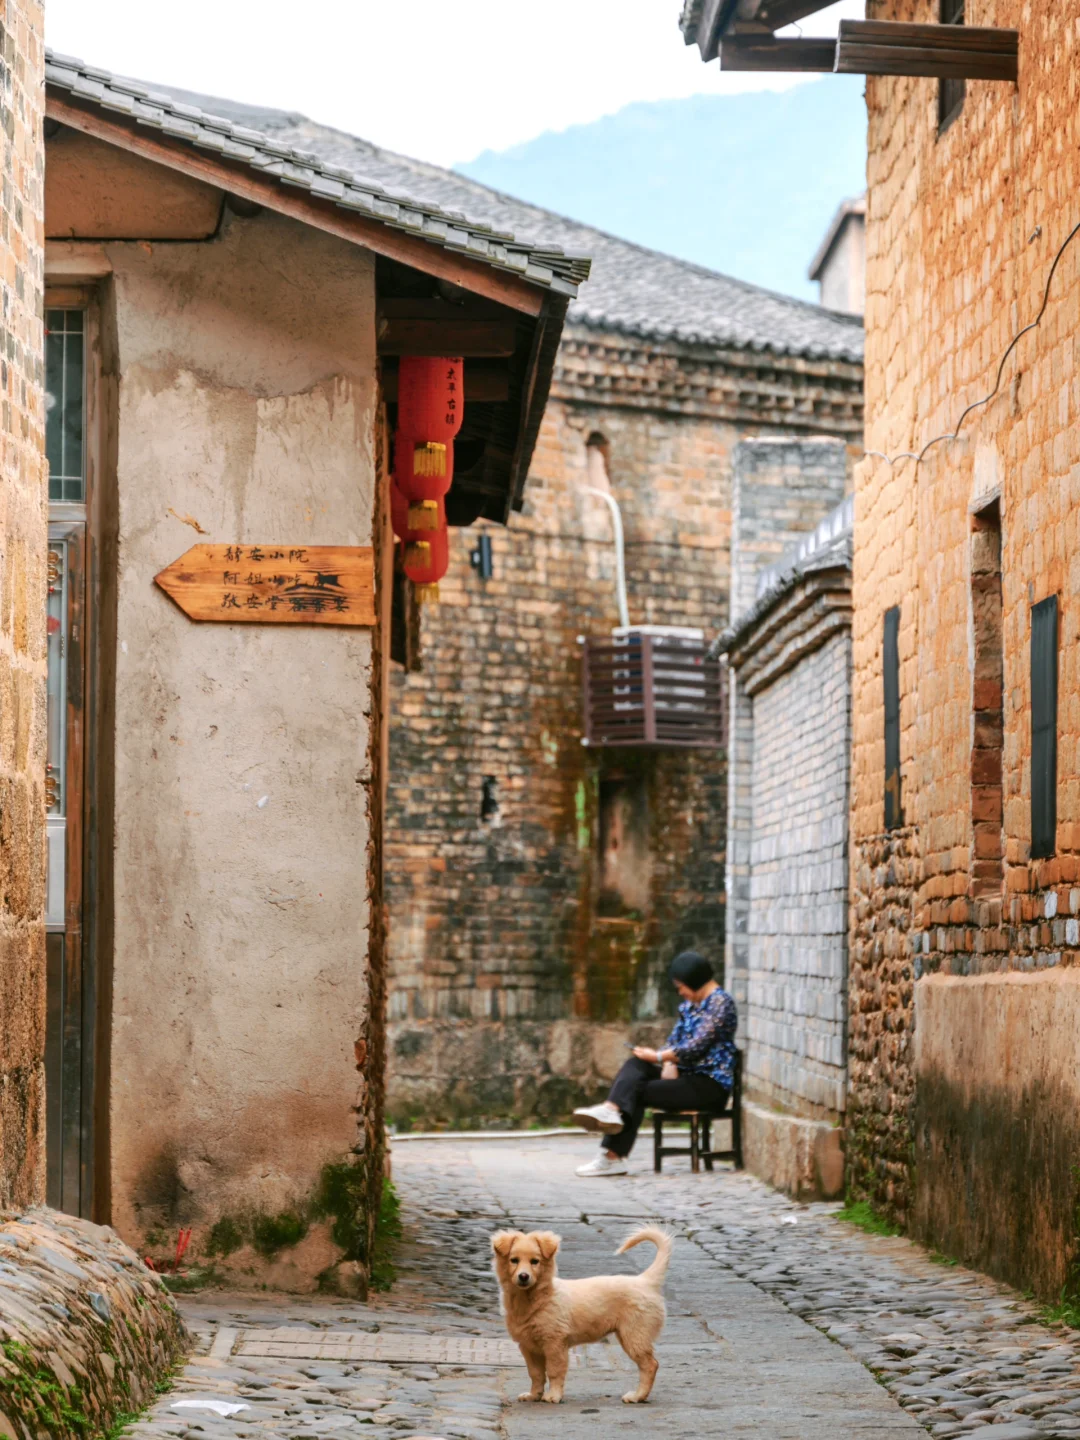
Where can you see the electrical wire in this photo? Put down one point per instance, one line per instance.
(919, 455)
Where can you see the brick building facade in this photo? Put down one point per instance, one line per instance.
(537, 888)
(965, 986)
(789, 657)
(23, 546)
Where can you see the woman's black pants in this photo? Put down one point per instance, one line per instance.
(638, 1088)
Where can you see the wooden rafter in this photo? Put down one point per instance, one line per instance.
(766, 52)
(946, 52)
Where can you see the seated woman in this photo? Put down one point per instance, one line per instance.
(694, 1070)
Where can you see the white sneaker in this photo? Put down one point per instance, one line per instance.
(605, 1117)
(602, 1165)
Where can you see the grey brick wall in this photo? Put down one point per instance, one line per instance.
(796, 1016)
(781, 488)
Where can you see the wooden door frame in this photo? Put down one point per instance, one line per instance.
(90, 706)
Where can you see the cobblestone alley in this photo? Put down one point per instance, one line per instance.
(783, 1323)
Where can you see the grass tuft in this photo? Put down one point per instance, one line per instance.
(387, 1234)
(863, 1216)
(1065, 1312)
(125, 1419)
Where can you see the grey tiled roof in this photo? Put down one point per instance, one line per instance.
(411, 208)
(690, 19)
(828, 547)
(631, 289)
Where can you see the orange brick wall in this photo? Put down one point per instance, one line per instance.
(22, 609)
(962, 230)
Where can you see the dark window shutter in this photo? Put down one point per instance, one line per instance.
(1044, 685)
(894, 815)
(951, 92)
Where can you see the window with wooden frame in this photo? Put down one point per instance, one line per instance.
(894, 814)
(951, 92)
(1044, 698)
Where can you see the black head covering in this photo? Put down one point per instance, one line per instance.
(691, 969)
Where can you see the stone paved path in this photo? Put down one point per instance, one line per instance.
(783, 1323)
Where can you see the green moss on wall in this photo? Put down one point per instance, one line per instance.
(273, 1233)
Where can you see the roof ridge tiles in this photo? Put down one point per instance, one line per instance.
(301, 167)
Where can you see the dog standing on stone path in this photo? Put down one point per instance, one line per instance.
(548, 1316)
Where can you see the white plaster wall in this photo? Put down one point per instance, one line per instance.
(246, 401)
(843, 280)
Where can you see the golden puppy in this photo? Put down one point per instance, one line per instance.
(548, 1316)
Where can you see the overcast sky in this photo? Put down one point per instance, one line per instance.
(438, 79)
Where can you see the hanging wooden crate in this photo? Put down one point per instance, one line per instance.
(653, 685)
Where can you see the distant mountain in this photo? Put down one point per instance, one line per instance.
(745, 184)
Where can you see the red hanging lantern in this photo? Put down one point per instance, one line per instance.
(430, 404)
(408, 517)
(426, 562)
(425, 541)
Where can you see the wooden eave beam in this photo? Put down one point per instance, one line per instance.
(487, 380)
(439, 327)
(766, 52)
(944, 52)
(476, 338)
(238, 179)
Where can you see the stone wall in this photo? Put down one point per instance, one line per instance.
(516, 964)
(23, 547)
(884, 875)
(89, 1330)
(963, 229)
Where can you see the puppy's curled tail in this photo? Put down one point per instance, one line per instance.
(664, 1242)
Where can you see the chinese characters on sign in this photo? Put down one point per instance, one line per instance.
(274, 584)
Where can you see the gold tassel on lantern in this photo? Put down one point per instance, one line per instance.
(429, 458)
(424, 515)
(418, 552)
(426, 594)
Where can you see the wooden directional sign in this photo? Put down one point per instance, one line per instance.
(274, 584)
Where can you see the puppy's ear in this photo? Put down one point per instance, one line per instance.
(502, 1242)
(547, 1242)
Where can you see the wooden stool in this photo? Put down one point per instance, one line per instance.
(700, 1123)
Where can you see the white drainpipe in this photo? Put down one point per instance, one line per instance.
(598, 471)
